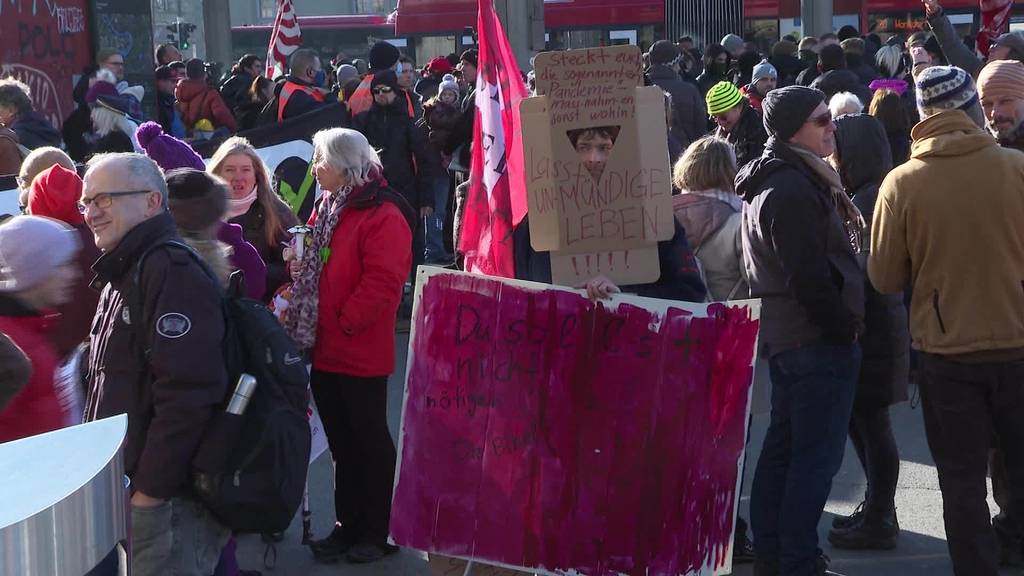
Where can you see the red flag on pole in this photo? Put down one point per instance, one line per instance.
(285, 39)
(496, 181)
(995, 21)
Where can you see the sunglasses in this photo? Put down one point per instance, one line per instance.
(822, 121)
(382, 90)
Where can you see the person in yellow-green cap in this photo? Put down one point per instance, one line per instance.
(738, 123)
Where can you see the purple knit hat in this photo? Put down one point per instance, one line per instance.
(167, 151)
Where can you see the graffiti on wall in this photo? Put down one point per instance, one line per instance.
(45, 44)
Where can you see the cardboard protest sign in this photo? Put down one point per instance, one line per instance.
(596, 156)
(542, 431)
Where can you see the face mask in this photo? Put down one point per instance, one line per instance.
(398, 69)
(320, 77)
(718, 68)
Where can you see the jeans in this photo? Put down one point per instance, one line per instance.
(178, 537)
(812, 397)
(354, 413)
(872, 437)
(965, 405)
(436, 253)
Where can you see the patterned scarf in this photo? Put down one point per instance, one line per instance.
(853, 220)
(305, 304)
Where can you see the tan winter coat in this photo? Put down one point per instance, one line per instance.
(949, 223)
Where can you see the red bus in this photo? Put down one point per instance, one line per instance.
(771, 19)
(428, 28)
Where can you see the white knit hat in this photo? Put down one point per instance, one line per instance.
(448, 83)
(31, 248)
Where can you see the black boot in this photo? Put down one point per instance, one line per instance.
(873, 532)
(331, 549)
(823, 565)
(844, 522)
(1009, 541)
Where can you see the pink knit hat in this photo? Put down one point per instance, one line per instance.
(1001, 78)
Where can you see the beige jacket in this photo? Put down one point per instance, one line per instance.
(949, 224)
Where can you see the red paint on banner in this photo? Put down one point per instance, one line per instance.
(542, 430)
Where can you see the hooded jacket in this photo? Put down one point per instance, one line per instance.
(35, 131)
(835, 81)
(712, 221)
(689, 115)
(36, 408)
(197, 101)
(747, 137)
(361, 283)
(864, 160)
(797, 255)
(947, 224)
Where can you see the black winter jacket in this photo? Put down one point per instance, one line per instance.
(797, 255)
(35, 131)
(235, 89)
(252, 223)
(861, 146)
(409, 167)
(689, 115)
(160, 362)
(748, 136)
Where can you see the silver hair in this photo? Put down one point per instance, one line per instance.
(105, 121)
(137, 171)
(845, 103)
(348, 152)
(890, 61)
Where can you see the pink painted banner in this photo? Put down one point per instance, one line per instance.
(543, 431)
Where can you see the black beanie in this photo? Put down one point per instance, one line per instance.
(663, 52)
(470, 56)
(383, 55)
(787, 109)
(196, 200)
(385, 78)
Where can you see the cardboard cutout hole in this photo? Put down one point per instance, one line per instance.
(594, 146)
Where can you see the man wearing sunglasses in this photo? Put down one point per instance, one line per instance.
(409, 166)
(801, 234)
(155, 354)
(738, 122)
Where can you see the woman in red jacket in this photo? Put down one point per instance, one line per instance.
(344, 302)
(38, 269)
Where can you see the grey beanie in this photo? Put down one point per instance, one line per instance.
(764, 69)
(346, 72)
(787, 109)
(732, 43)
(31, 248)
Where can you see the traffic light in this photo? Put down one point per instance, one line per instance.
(185, 31)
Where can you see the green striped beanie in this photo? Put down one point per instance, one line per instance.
(722, 97)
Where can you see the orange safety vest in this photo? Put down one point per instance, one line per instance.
(362, 98)
(290, 88)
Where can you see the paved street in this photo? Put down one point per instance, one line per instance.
(922, 549)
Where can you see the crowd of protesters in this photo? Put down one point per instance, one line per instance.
(869, 192)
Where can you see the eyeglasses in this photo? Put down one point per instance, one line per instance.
(821, 121)
(382, 90)
(104, 200)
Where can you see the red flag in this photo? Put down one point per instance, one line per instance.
(995, 21)
(496, 181)
(285, 39)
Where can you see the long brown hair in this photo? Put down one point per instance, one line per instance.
(273, 229)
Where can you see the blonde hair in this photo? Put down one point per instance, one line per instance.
(348, 152)
(273, 227)
(707, 164)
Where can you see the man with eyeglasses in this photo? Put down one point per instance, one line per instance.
(155, 354)
(688, 114)
(801, 237)
(947, 225)
(111, 60)
(408, 165)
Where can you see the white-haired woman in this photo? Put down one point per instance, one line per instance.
(845, 103)
(344, 301)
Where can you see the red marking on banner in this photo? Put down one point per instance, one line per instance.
(542, 430)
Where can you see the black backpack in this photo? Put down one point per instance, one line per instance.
(250, 469)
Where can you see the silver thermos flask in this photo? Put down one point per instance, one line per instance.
(243, 392)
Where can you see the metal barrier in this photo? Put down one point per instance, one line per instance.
(64, 500)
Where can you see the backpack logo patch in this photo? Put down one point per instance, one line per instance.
(173, 325)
